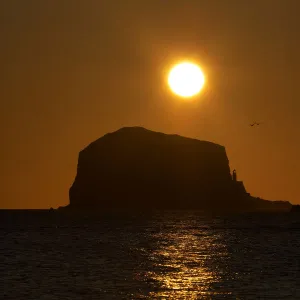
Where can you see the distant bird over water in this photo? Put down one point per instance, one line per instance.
(255, 123)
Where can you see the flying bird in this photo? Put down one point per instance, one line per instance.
(255, 123)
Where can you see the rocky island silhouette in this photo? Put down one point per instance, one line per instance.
(136, 168)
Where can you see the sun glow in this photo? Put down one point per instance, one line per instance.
(186, 79)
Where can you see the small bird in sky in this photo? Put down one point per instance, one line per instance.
(255, 123)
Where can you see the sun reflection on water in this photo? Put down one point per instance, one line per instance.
(183, 266)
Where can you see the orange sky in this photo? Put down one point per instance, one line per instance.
(74, 70)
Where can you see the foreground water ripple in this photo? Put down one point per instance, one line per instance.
(164, 255)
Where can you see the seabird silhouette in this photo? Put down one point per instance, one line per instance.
(255, 123)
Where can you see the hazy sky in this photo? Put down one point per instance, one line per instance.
(74, 70)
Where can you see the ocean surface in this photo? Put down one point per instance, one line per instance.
(161, 255)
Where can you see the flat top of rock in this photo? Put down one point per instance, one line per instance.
(142, 134)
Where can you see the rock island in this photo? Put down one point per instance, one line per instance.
(136, 168)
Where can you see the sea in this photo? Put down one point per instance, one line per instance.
(154, 255)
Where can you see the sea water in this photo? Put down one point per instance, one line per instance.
(159, 255)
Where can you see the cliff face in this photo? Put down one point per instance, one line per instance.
(138, 167)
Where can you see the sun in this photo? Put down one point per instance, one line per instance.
(186, 79)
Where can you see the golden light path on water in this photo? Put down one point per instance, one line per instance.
(181, 262)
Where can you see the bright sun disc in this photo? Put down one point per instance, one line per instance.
(186, 79)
